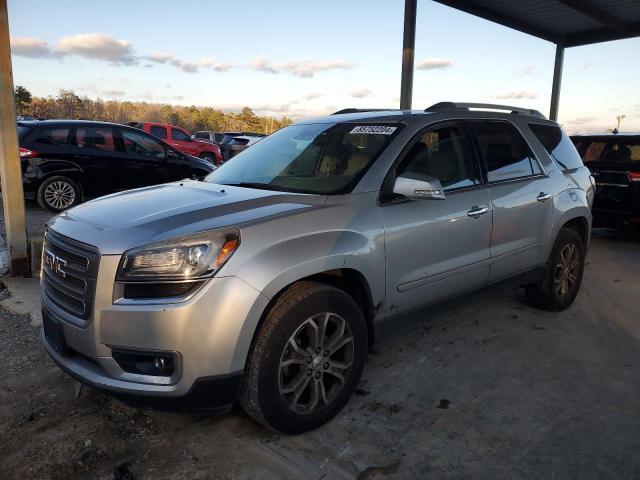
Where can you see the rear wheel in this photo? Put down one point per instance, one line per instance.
(306, 360)
(557, 288)
(58, 193)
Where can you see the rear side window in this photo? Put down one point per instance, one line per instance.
(557, 145)
(51, 136)
(618, 150)
(505, 151)
(97, 138)
(177, 134)
(160, 132)
(203, 135)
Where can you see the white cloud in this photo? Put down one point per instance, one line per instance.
(361, 93)
(516, 95)
(189, 66)
(114, 93)
(30, 47)
(434, 64)
(304, 68)
(98, 46)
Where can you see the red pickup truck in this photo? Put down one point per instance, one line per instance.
(180, 139)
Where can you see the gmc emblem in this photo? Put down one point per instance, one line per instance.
(55, 263)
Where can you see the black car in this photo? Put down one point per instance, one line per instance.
(614, 161)
(67, 161)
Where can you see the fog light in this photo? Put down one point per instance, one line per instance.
(144, 363)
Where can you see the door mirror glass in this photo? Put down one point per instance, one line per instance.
(416, 186)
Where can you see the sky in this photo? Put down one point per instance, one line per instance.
(307, 58)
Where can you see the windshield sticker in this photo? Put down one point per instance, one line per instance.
(373, 130)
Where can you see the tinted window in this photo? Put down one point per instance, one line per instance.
(505, 151)
(51, 136)
(22, 131)
(203, 135)
(315, 158)
(142, 144)
(442, 153)
(229, 136)
(557, 145)
(99, 138)
(177, 134)
(620, 150)
(160, 132)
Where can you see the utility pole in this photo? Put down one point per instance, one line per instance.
(10, 168)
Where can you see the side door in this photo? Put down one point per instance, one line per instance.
(521, 198)
(93, 147)
(436, 249)
(149, 161)
(183, 142)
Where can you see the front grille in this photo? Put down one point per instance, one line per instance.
(69, 271)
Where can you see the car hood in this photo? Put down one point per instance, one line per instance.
(125, 220)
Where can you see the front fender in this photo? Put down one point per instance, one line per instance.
(278, 265)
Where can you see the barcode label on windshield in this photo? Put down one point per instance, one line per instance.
(374, 130)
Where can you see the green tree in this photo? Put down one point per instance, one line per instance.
(23, 99)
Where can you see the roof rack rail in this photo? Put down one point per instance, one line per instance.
(483, 106)
(361, 110)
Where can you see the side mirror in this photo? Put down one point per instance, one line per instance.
(416, 186)
(171, 153)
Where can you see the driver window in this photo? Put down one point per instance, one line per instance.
(141, 144)
(443, 153)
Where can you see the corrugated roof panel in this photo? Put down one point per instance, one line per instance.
(566, 21)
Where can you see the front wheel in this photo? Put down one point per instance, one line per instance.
(58, 193)
(557, 288)
(306, 360)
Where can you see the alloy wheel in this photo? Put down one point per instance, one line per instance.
(59, 195)
(315, 363)
(567, 270)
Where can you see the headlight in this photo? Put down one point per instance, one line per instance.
(185, 258)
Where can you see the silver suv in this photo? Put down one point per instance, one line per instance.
(268, 281)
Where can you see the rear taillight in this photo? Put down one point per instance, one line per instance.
(26, 153)
(634, 176)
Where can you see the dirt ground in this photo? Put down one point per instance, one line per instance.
(491, 389)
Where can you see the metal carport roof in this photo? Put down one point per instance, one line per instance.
(570, 23)
(567, 23)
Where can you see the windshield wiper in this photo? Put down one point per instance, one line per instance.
(260, 186)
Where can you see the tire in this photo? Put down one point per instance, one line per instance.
(565, 262)
(58, 193)
(275, 365)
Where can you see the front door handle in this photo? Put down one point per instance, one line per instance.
(543, 197)
(476, 211)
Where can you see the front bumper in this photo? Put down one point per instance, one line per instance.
(210, 333)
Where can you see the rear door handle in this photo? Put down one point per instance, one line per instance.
(543, 197)
(476, 211)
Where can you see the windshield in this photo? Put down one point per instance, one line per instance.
(323, 158)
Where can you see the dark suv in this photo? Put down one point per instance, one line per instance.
(614, 161)
(66, 161)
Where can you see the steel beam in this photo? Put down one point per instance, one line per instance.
(557, 80)
(10, 169)
(408, 54)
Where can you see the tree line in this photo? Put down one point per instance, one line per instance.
(68, 105)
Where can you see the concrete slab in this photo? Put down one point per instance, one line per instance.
(24, 298)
